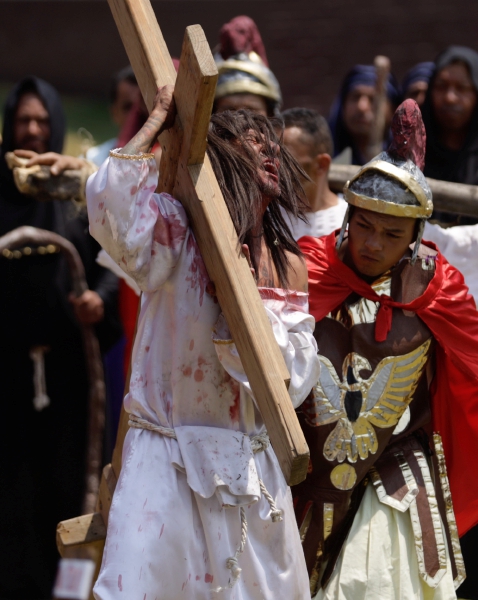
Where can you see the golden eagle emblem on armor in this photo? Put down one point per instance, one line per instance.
(357, 404)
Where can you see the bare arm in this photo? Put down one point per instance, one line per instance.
(298, 275)
(161, 117)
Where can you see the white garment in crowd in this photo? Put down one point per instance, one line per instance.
(175, 517)
(459, 245)
(320, 222)
(98, 154)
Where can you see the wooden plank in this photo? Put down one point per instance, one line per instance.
(380, 106)
(196, 58)
(122, 431)
(457, 198)
(106, 491)
(87, 529)
(196, 187)
(82, 537)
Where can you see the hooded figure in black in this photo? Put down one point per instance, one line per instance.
(360, 75)
(453, 159)
(42, 468)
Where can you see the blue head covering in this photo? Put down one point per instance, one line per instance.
(420, 72)
(359, 75)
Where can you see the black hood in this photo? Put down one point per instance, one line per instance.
(52, 103)
(16, 209)
(459, 166)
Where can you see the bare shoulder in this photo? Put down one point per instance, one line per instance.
(297, 273)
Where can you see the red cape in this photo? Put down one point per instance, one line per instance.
(450, 313)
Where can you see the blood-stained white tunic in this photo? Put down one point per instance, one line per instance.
(175, 516)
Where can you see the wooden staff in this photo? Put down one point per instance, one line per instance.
(31, 236)
(380, 105)
(457, 198)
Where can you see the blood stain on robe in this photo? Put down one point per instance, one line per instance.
(234, 409)
(187, 371)
(198, 375)
(208, 578)
(198, 277)
(191, 345)
(177, 228)
(133, 190)
(161, 232)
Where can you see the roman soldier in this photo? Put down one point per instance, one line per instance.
(394, 412)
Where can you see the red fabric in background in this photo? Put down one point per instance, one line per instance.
(450, 313)
(128, 308)
(241, 35)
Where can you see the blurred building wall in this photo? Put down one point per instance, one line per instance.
(310, 43)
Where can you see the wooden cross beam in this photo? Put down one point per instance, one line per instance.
(458, 198)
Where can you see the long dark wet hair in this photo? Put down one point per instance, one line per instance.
(236, 168)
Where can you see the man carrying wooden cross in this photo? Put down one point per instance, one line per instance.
(201, 496)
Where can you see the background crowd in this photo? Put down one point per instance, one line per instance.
(38, 310)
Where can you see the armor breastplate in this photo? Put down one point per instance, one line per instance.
(371, 397)
(368, 392)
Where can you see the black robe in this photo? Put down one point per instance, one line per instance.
(42, 462)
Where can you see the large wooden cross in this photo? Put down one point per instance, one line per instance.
(187, 174)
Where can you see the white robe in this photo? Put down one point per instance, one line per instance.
(320, 222)
(169, 533)
(378, 560)
(459, 245)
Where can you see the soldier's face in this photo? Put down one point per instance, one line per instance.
(31, 126)
(252, 102)
(377, 242)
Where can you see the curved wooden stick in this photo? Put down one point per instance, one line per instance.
(24, 236)
(456, 198)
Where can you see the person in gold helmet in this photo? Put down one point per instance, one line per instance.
(245, 80)
(394, 411)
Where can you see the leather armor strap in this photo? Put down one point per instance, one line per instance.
(403, 472)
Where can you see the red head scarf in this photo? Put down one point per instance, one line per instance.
(241, 35)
